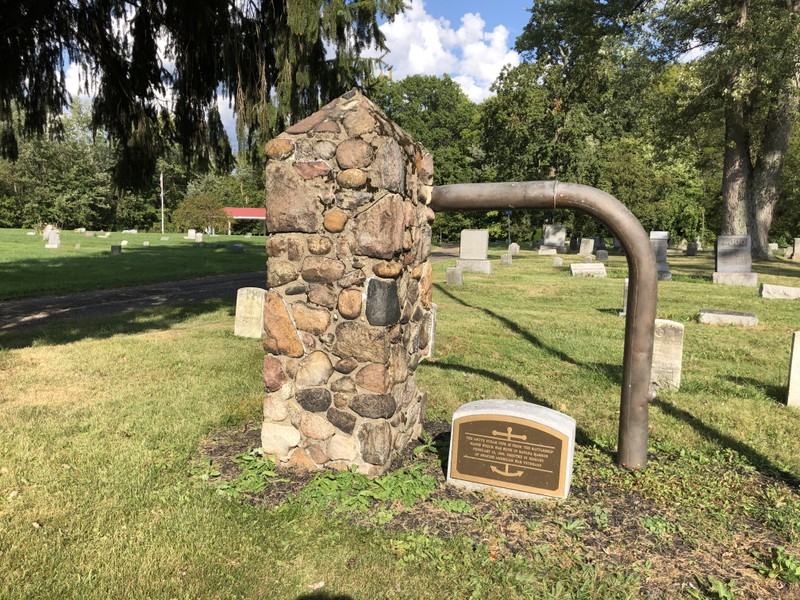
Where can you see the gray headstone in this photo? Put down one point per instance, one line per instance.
(588, 259)
(89, 234)
(587, 246)
(588, 269)
(691, 249)
(249, 312)
(793, 397)
(617, 245)
(659, 240)
(667, 355)
(727, 317)
(733, 254)
(432, 331)
(475, 266)
(116, 249)
(796, 249)
(624, 311)
(505, 259)
(574, 244)
(513, 249)
(554, 236)
(602, 255)
(743, 279)
(513, 447)
(145, 244)
(236, 247)
(164, 238)
(545, 251)
(454, 276)
(474, 244)
(558, 262)
(779, 292)
(600, 243)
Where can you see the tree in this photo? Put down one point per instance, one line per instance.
(200, 211)
(274, 60)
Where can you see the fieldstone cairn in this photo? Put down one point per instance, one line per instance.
(347, 312)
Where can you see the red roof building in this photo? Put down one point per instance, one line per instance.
(243, 214)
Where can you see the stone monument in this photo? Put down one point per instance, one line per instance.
(659, 240)
(733, 261)
(513, 447)
(587, 247)
(249, 321)
(793, 398)
(474, 251)
(667, 355)
(347, 312)
(554, 236)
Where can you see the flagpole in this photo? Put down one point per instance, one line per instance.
(162, 202)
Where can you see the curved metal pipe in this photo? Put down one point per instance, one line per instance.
(642, 290)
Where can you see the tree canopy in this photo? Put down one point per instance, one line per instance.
(160, 65)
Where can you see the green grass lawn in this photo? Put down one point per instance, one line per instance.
(105, 490)
(28, 269)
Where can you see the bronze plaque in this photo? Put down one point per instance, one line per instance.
(509, 452)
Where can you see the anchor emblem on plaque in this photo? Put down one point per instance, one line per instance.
(509, 437)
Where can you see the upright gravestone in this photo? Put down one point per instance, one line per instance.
(54, 239)
(349, 289)
(796, 251)
(249, 321)
(190, 235)
(624, 311)
(554, 236)
(474, 251)
(513, 249)
(793, 398)
(198, 237)
(46, 233)
(659, 240)
(665, 373)
(432, 330)
(602, 255)
(587, 247)
(454, 276)
(733, 261)
(513, 447)
(505, 259)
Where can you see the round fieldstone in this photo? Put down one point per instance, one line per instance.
(353, 278)
(315, 370)
(342, 447)
(346, 365)
(352, 178)
(314, 399)
(280, 272)
(322, 295)
(374, 406)
(325, 149)
(316, 427)
(335, 220)
(349, 303)
(383, 304)
(277, 440)
(278, 148)
(319, 245)
(343, 384)
(310, 170)
(306, 318)
(388, 270)
(301, 461)
(320, 269)
(374, 378)
(274, 376)
(341, 419)
(274, 410)
(359, 122)
(354, 154)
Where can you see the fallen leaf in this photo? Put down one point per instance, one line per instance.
(316, 586)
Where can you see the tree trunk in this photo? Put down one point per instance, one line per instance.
(737, 170)
(767, 173)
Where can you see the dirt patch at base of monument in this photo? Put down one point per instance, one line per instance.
(600, 523)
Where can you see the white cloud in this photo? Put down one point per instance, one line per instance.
(420, 44)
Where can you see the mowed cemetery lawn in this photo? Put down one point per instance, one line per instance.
(28, 269)
(128, 469)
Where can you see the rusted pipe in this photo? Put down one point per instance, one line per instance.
(642, 290)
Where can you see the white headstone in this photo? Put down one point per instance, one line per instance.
(249, 312)
(588, 269)
(46, 233)
(123, 243)
(554, 236)
(513, 447)
(474, 244)
(432, 330)
(190, 234)
(558, 261)
(454, 276)
(164, 238)
(145, 244)
(727, 317)
(793, 398)
(779, 292)
(513, 249)
(505, 259)
(53, 239)
(796, 252)
(667, 355)
(587, 247)
(624, 298)
(198, 237)
(545, 251)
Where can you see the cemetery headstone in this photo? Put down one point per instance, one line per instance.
(588, 259)
(505, 259)
(31, 233)
(793, 397)
(432, 330)
(617, 244)
(164, 238)
(624, 311)
(513, 447)
(145, 244)
(474, 251)
(587, 247)
(727, 317)
(54, 239)
(600, 243)
(46, 233)
(574, 244)
(659, 240)
(513, 249)
(691, 249)
(554, 236)
(602, 255)
(454, 276)
(77, 246)
(89, 234)
(773, 247)
(733, 262)
(667, 355)
(123, 243)
(198, 237)
(545, 251)
(238, 248)
(249, 312)
(248, 235)
(558, 261)
(587, 269)
(116, 249)
(190, 234)
(796, 249)
(779, 292)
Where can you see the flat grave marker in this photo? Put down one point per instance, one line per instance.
(513, 447)
(587, 269)
(710, 316)
(779, 292)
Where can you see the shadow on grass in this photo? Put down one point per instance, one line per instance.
(756, 458)
(65, 331)
(610, 371)
(773, 392)
(324, 596)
